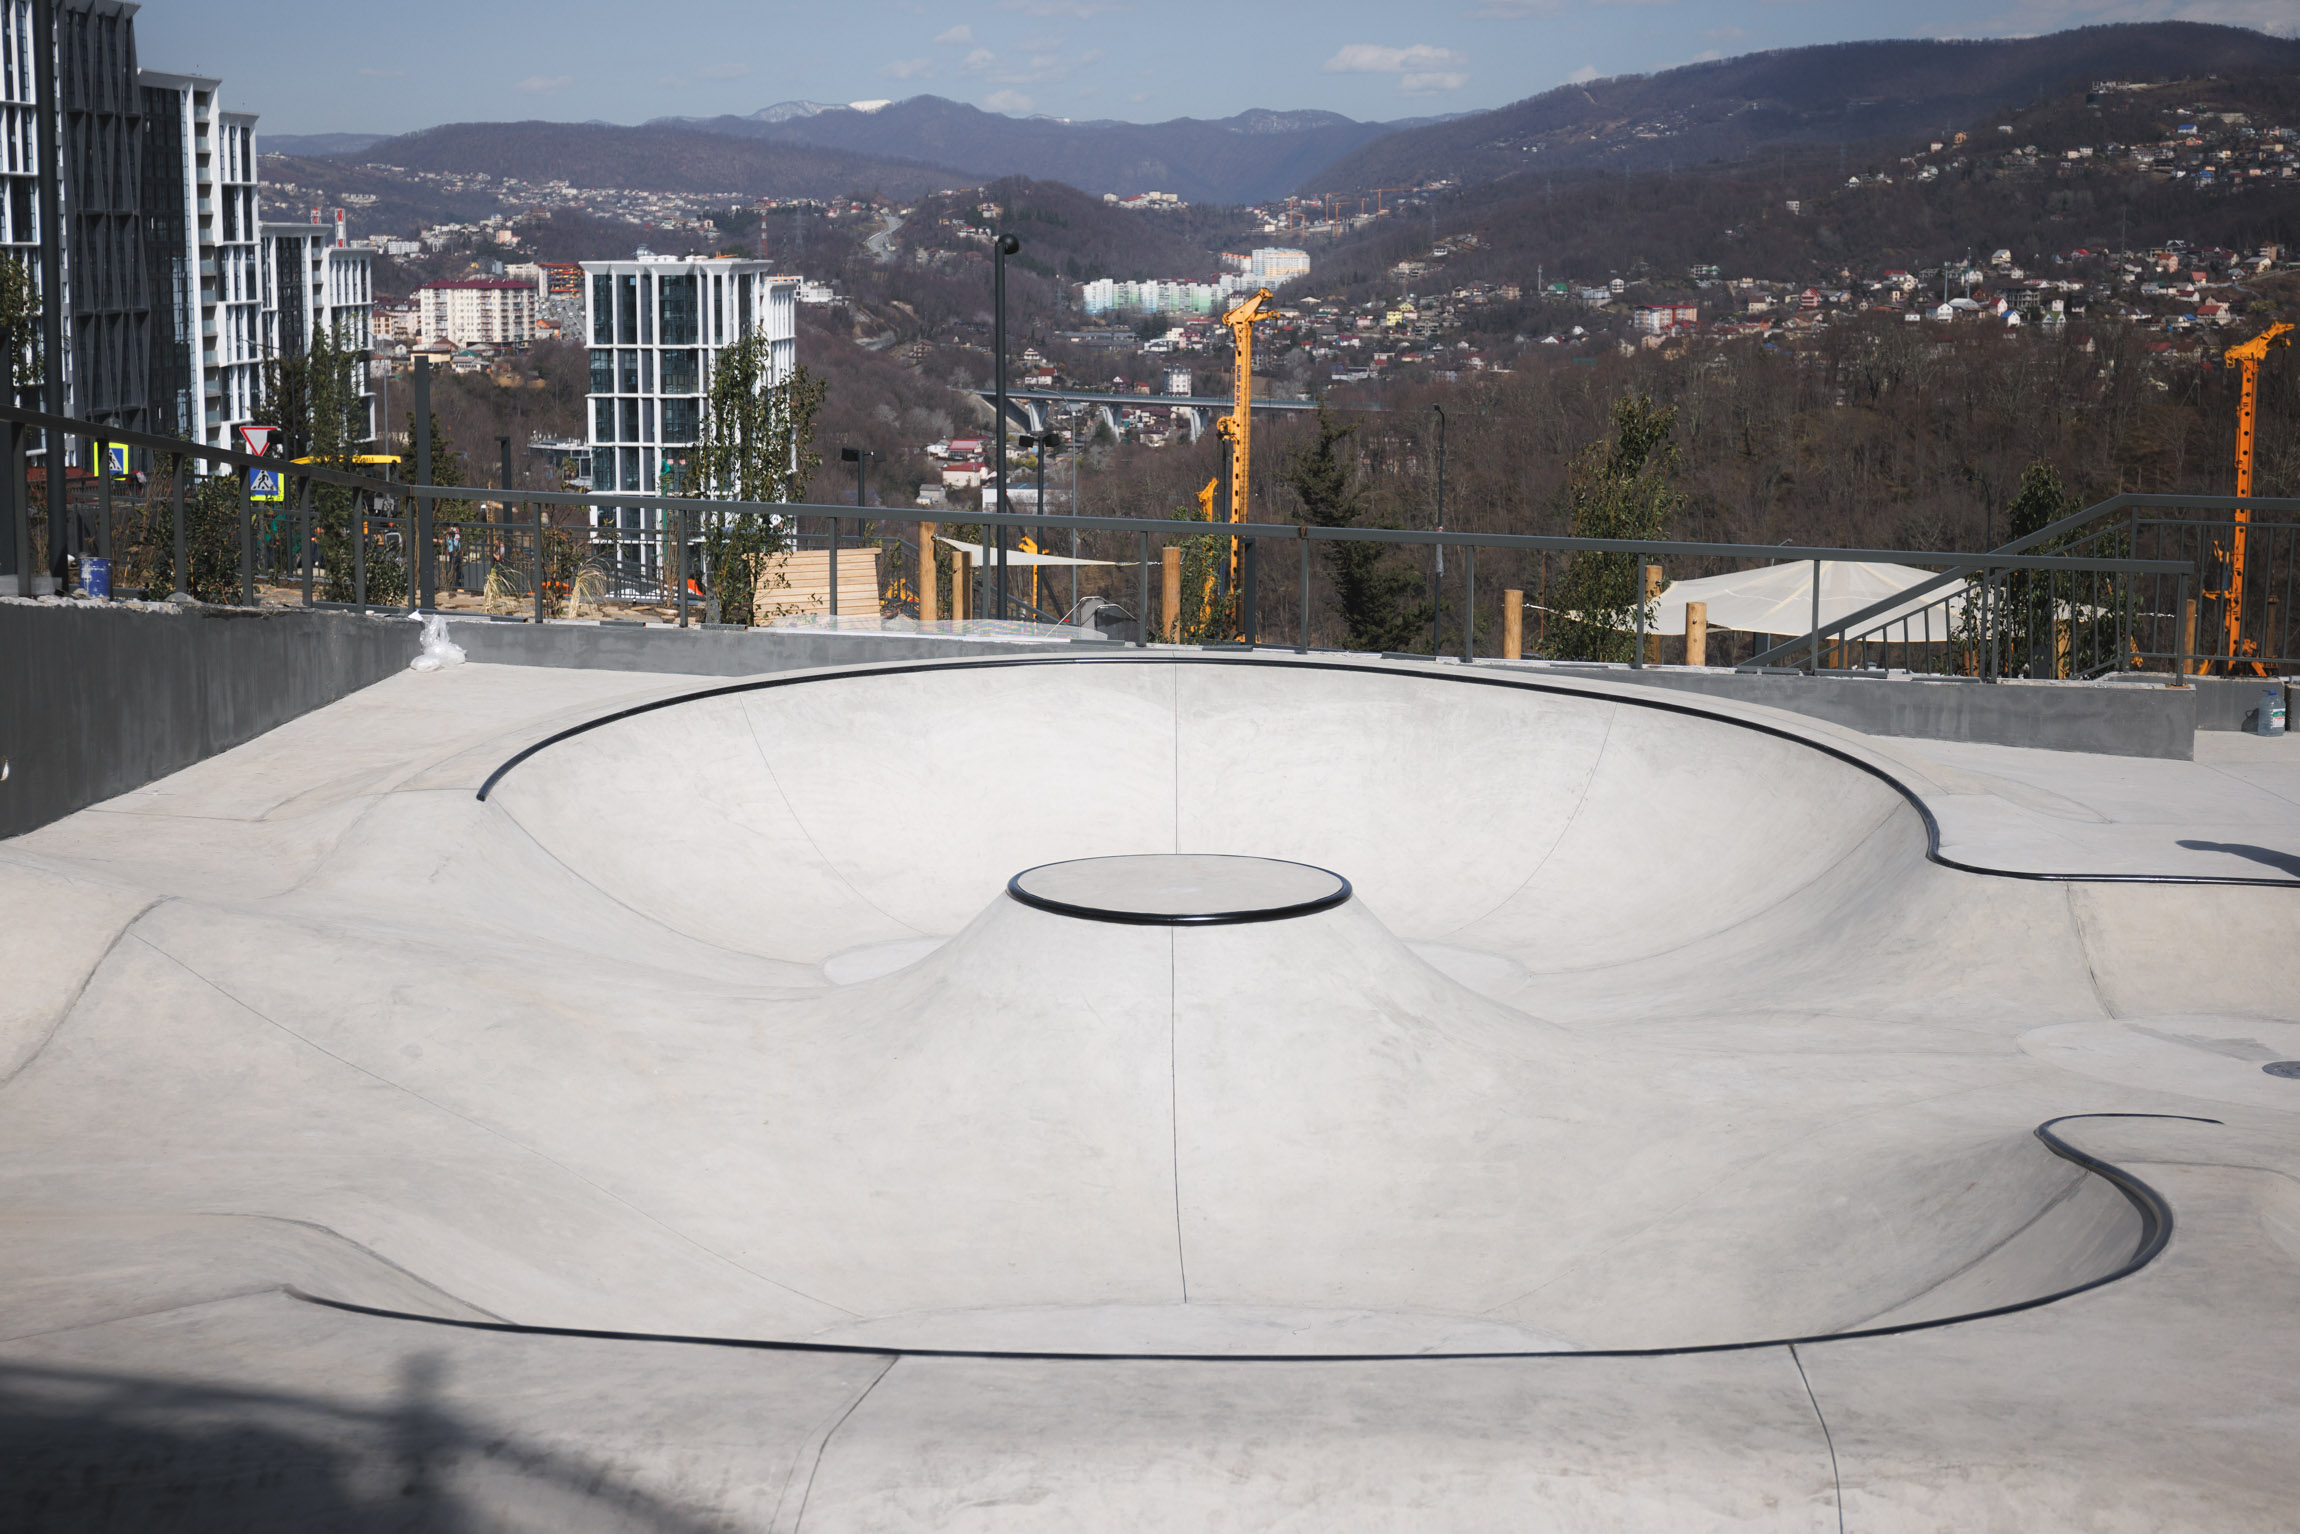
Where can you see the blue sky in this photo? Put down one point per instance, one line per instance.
(333, 65)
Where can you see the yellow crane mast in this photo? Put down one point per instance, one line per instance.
(1237, 427)
(2247, 356)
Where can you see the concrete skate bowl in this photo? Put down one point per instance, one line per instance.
(1503, 1097)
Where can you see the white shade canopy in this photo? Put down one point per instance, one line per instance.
(1778, 599)
(1015, 558)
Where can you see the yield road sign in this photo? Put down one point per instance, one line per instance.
(258, 438)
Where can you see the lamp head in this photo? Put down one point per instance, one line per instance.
(1008, 245)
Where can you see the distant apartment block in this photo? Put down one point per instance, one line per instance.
(322, 285)
(1273, 266)
(657, 326)
(480, 311)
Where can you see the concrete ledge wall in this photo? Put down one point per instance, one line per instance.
(2115, 719)
(714, 652)
(96, 700)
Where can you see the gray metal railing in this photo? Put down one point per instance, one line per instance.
(395, 547)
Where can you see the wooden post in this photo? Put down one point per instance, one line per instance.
(1512, 625)
(929, 574)
(1652, 593)
(1170, 593)
(961, 584)
(1697, 633)
(2189, 666)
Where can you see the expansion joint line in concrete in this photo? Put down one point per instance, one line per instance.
(1933, 853)
(814, 1461)
(1836, 1480)
(1174, 1101)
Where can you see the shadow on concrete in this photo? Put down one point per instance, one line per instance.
(83, 1450)
(2285, 862)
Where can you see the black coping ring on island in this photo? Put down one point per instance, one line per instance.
(1326, 902)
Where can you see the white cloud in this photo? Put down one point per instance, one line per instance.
(544, 85)
(1583, 75)
(1007, 101)
(956, 37)
(908, 69)
(980, 58)
(1374, 59)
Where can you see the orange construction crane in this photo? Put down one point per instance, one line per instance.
(2247, 356)
(1237, 427)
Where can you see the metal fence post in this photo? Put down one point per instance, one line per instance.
(834, 572)
(1142, 612)
(1813, 662)
(308, 546)
(1304, 541)
(539, 562)
(679, 559)
(104, 500)
(183, 591)
(1469, 605)
(1250, 624)
(358, 539)
(247, 540)
(421, 592)
(1637, 588)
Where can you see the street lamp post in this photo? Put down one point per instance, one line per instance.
(1002, 247)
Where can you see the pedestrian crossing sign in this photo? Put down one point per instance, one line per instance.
(116, 459)
(266, 485)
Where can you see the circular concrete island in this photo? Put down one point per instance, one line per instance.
(1180, 889)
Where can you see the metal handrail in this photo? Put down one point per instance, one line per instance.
(2007, 558)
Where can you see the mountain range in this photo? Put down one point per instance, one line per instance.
(1836, 93)
(1731, 109)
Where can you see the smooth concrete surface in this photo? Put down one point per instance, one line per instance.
(99, 698)
(1650, 1026)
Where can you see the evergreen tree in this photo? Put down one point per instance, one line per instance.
(1624, 488)
(758, 446)
(1370, 587)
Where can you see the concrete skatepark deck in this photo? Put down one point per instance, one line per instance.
(565, 1099)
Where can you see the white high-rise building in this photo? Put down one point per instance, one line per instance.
(657, 326)
(321, 284)
(205, 157)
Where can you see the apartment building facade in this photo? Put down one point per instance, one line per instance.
(321, 284)
(657, 326)
(476, 311)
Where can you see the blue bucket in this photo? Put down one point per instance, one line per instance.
(96, 578)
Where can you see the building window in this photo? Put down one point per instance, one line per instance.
(630, 431)
(630, 373)
(627, 310)
(646, 311)
(602, 309)
(682, 419)
(630, 460)
(647, 420)
(680, 312)
(602, 372)
(646, 372)
(718, 309)
(603, 420)
(679, 373)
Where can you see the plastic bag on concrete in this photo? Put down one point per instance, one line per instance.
(438, 649)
